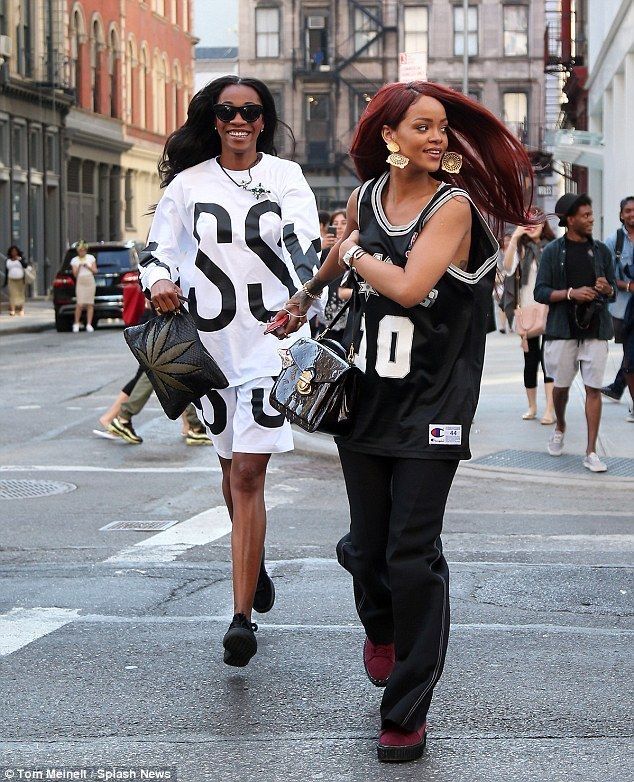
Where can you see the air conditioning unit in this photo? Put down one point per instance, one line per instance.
(6, 46)
(316, 22)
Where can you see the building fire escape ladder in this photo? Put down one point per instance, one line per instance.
(353, 78)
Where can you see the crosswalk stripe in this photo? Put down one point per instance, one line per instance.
(22, 626)
(165, 546)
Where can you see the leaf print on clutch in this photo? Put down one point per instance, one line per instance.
(177, 364)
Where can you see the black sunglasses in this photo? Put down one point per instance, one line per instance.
(226, 113)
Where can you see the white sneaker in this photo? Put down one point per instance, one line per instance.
(630, 416)
(89, 328)
(75, 328)
(593, 463)
(556, 443)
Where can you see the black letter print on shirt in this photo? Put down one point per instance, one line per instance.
(259, 416)
(213, 272)
(220, 413)
(304, 263)
(275, 264)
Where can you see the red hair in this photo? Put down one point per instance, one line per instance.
(495, 167)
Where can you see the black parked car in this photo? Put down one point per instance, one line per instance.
(117, 265)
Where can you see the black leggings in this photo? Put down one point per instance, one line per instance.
(532, 360)
(127, 388)
(400, 576)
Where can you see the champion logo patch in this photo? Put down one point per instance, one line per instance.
(445, 434)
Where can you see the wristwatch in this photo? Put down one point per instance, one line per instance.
(352, 254)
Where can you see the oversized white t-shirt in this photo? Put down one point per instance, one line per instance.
(238, 258)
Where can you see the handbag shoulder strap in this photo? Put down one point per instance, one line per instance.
(353, 326)
(618, 246)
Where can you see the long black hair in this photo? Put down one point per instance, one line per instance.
(197, 140)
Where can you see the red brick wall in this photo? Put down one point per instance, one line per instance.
(161, 35)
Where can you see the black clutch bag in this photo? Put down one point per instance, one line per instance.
(318, 384)
(176, 362)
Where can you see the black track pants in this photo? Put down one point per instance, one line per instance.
(400, 576)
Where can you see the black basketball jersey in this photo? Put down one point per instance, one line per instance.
(422, 364)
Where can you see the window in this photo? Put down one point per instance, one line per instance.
(95, 67)
(24, 39)
(129, 199)
(159, 7)
(18, 144)
(51, 151)
(4, 141)
(35, 148)
(177, 85)
(317, 115)
(515, 30)
(515, 113)
(143, 88)
(160, 81)
(88, 177)
(129, 82)
(415, 28)
(113, 75)
(365, 30)
(73, 175)
(458, 31)
(316, 39)
(76, 53)
(267, 32)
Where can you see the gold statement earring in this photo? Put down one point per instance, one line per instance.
(394, 159)
(451, 162)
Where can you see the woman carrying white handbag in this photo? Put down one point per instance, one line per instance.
(521, 259)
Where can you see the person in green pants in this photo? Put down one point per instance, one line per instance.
(121, 426)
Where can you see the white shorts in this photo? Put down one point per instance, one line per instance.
(563, 358)
(240, 419)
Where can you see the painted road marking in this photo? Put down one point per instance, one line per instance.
(354, 628)
(22, 626)
(90, 468)
(199, 530)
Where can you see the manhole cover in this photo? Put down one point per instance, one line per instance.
(25, 489)
(140, 526)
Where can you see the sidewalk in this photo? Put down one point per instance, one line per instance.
(503, 445)
(38, 316)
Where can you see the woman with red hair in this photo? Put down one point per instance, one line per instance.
(426, 257)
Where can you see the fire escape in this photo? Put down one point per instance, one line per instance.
(344, 74)
(564, 50)
(565, 72)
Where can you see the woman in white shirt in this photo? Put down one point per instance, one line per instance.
(15, 280)
(521, 258)
(238, 229)
(84, 268)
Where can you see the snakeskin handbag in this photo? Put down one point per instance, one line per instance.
(318, 385)
(176, 362)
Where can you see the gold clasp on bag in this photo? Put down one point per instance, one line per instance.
(304, 383)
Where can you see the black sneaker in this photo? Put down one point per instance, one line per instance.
(125, 431)
(264, 592)
(239, 642)
(611, 393)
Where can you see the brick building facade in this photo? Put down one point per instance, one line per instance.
(131, 66)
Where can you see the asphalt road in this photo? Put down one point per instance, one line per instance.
(110, 641)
